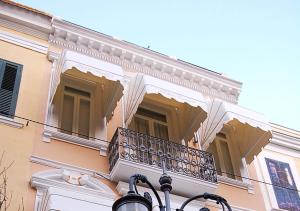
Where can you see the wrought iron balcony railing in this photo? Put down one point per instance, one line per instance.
(140, 148)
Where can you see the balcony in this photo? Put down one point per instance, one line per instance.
(193, 171)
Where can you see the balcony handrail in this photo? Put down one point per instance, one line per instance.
(137, 147)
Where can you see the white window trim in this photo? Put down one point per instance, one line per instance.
(59, 136)
(261, 167)
(236, 183)
(53, 133)
(77, 98)
(164, 110)
(10, 122)
(152, 121)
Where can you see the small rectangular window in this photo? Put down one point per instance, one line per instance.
(151, 114)
(76, 112)
(150, 123)
(222, 157)
(10, 76)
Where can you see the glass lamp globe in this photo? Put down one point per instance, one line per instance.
(132, 202)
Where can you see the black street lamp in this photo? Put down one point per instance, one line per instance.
(133, 201)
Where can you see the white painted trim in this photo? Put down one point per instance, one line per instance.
(92, 144)
(283, 150)
(186, 185)
(21, 41)
(10, 122)
(25, 21)
(286, 141)
(133, 58)
(61, 165)
(63, 186)
(236, 183)
(262, 186)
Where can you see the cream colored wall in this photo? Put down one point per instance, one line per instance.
(115, 122)
(18, 143)
(241, 197)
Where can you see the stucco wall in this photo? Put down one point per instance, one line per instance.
(18, 143)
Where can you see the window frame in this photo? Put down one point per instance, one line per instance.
(268, 191)
(239, 166)
(220, 156)
(81, 85)
(151, 121)
(13, 102)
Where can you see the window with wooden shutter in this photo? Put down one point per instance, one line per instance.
(76, 112)
(10, 76)
(223, 155)
(150, 123)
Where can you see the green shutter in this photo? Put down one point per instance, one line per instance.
(10, 76)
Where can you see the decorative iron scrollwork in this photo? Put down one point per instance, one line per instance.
(140, 148)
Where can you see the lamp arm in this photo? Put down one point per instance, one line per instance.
(218, 199)
(139, 177)
(188, 201)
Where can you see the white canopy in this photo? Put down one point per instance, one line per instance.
(78, 62)
(249, 130)
(194, 105)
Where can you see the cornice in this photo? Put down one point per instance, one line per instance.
(285, 137)
(23, 42)
(133, 58)
(24, 20)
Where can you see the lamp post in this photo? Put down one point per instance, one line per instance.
(133, 201)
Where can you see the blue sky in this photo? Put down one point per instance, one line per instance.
(256, 42)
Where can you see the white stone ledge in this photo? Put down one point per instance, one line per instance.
(10, 122)
(92, 144)
(236, 183)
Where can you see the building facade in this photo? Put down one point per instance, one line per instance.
(82, 111)
(279, 164)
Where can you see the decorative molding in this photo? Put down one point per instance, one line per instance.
(133, 58)
(289, 139)
(24, 20)
(21, 41)
(92, 144)
(58, 187)
(60, 165)
(53, 56)
(10, 122)
(61, 178)
(236, 183)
